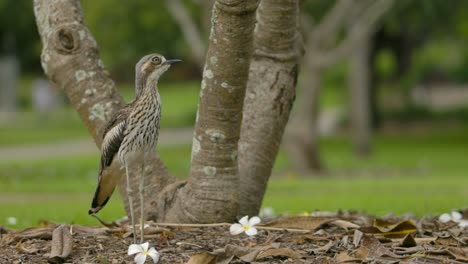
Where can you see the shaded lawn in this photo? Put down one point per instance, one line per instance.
(423, 174)
(179, 102)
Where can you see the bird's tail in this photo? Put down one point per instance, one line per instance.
(106, 185)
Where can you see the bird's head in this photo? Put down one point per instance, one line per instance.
(152, 66)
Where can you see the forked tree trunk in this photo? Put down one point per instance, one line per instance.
(269, 98)
(71, 60)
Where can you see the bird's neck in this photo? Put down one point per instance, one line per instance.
(145, 85)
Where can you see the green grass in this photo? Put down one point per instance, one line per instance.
(424, 174)
(180, 102)
(378, 196)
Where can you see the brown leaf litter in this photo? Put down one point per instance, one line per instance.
(338, 238)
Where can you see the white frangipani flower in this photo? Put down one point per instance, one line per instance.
(246, 225)
(12, 220)
(142, 251)
(455, 217)
(267, 212)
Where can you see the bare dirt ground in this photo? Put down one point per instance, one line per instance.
(323, 238)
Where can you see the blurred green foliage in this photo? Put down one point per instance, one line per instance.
(18, 33)
(130, 28)
(127, 29)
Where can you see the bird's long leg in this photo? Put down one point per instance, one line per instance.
(130, 201)
(142, 200)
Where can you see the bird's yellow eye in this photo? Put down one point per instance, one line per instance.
(156, 60)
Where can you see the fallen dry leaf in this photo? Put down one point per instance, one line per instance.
(357, 237)
(324, 248)
(87, 230)
(62, 243)
(22, 248)
(371, 248)
(203, 258)
(300, 222)
(344, 224)
(33, 232)
(343, 257)
(408, 241)
(247, 254)
(460, 254)
(389, 230)
(279, 252)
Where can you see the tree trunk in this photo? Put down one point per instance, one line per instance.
(269, 98)
(70, 58)
(359, 80)
(302, 141)
(212, 193)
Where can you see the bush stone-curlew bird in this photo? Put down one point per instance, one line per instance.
(131, 134)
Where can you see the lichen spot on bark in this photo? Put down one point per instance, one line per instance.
(90, 92)
(195, 147)
(97, 111)
(209, 74)
(215, 135)
(203, 84)
(234, 155)
(82, 34)
(224, 85)
(209, 171)
(80, 75)
(100, 63)
(213, 60)
(196, 117)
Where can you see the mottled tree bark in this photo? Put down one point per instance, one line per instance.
(269, 98)
(212, 192)
(71, 60)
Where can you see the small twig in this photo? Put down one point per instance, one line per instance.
(294, 230)
(192, 225)
(188, 244)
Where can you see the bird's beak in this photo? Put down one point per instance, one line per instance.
(169, 62)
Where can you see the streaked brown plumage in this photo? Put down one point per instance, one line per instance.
(133, 131)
